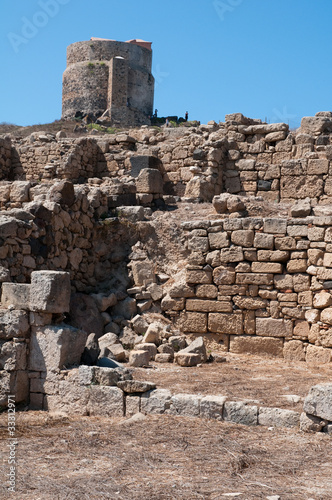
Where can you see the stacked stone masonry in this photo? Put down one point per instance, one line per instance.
(240, 156)
(263, 285)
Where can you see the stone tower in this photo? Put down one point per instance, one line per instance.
(110, 78)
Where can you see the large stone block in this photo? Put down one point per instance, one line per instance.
(318, 355)
(149, 180)
(156, 401)
(256, 345)
(254, 279)
(198, 276)
(319, 401)
(212, 407)
(185, 405)
(276, 417)
(105, 401)
(193, 322)
(294, 350)
(13, 356)
(224, 275)
(240, 413)
(270, 327)
(13, 324)
(243, 238)
(54, 347)
(15, 294)
(50, 291)
(69, 398)
(266, 267)
(196, 347)
(225, 323)
(15, 383)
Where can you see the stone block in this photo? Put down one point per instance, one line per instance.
(139, 358)
(143, 272)
(212, 407)
(15, 294)
(318, 355)
(256, 345)
(254, 279)
(54, 347)
(325, 338)
(70, 399)
(266, 267)
(164, 357)
(149, 180)
(224, 275)
(185, 405)
(218, 240)
(50, 291)
(193, 322)
(250, 303)
(206, 292)
(198, 276)
(187, 358)
(13, 355)
(294, 350)
(326, 315)
(225, 323)
(149, 347)
(240, 413)
(156, 401)
(232, 254)
(195, 347)
(13, 324)
(318, 166)
(276, 417)
(208, 305)
(272, 255)
(319, 401)
(270, 327)
(262, 240)
(135, 386)
(244, 238)
(132, 405)
(105, 401)
(275, 226)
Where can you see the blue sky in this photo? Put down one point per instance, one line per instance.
(269, 59)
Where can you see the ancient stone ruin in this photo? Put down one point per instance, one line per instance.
(109, 80)
(161, 244)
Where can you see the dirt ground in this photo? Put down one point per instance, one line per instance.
(163, 457)
(263, 381)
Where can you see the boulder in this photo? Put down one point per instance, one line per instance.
(187, 359)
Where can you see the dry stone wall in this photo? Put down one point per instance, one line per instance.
(261, 285)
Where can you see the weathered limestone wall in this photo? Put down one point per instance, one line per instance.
(262, 285)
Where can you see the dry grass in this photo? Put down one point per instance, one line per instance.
(164, 457)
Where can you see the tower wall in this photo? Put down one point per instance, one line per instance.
(105, 74)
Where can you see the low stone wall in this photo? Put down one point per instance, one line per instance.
(261, 285)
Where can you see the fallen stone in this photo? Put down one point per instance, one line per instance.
(319, 401)
(187, 359)
(163, 358)
(91, 351)
(133, 386)
(195, 347)
(139, 358)
(149, 347)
